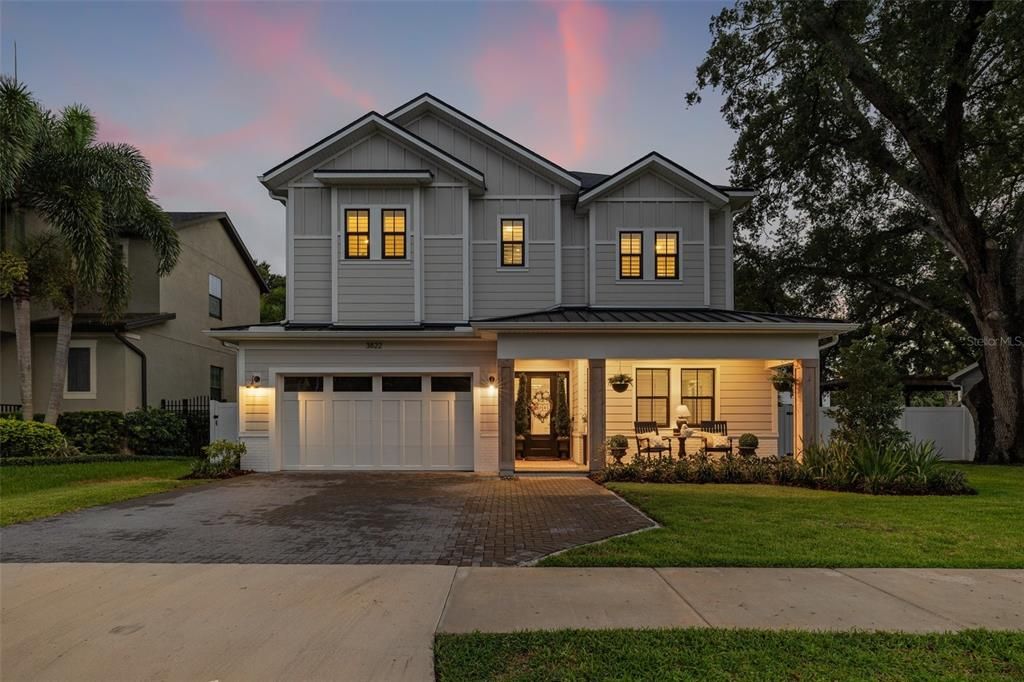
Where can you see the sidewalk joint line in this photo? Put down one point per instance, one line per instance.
(685, 600)
(897, 597)
(447, 597)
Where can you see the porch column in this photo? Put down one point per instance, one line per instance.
(596, 413)
(506, 418)
(806, 396)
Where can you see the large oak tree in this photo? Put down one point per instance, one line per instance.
(888, 139)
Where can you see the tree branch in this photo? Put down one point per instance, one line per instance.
(958, 66)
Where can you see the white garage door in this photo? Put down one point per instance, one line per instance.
(412, 422)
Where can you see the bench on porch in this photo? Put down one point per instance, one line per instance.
(642, 431)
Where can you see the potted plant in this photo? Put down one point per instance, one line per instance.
(522, 417)
(563, 427)
(617, 445)
(748, 444)
(620, 383)
(783, 379)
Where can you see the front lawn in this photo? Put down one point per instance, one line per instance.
(34, 492)
(764, 525)
(709, 654)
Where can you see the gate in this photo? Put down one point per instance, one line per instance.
(195, 412)
(223, 421)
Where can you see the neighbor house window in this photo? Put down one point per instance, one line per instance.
(216, 382)
(513, 242)
(393, 229)
(80, 380)
(631, 256)
(216, 302)
(698, 393)
(666, 255)
(652, 396)
(357, 233)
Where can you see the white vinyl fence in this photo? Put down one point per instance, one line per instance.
(950, 428)
(223, 421)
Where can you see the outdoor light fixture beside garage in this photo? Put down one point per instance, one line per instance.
(254, 381)
(492, 384)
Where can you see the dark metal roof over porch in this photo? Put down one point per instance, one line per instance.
(582, 316)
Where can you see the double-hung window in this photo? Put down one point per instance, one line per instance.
(697, 392)
(80, 379)
(513, 242)
(357, 233)
(392, 221)
(666, 255)
(216, 302)
(631, 256)
(652, 396)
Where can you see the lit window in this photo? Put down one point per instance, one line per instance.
(698, 393)
(357, 233)
(631, 253)
(652, 396)
(666, 255)
(393, 228)
(513, 242)
(216, 302)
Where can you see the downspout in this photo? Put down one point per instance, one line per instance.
(142, 364)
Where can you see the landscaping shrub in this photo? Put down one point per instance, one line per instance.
(872, 401)
(867, 466)
(155, 432)
(94, 432)
(221, 458)
(32, 439)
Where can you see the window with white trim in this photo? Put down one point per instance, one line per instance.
(357, 233)
(216, 300)
(392, 221)
(666, 255)
(652, 396)
(513, 242)
(631, 256)
(697, 391)
(80, 379)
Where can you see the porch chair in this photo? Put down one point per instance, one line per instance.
(720, 428)
(643, 440)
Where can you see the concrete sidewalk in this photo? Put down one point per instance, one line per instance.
(263, 622)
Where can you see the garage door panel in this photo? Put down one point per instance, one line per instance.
(440, 432)
(317, 450)
(412, 433)
(290, 431)
(464, 434)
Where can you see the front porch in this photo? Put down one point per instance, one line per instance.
(539, 434)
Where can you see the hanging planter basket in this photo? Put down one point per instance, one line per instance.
(620, 383)
(783, 381)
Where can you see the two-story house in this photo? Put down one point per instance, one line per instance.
(434, 265)
(157, 349)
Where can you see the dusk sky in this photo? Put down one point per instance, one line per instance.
(215, 93)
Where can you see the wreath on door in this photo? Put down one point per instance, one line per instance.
(540, 404)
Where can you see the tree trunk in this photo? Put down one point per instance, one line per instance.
(60, 365)
(23, 340)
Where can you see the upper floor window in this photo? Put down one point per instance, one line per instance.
(357, 232)
(393, 230)
(513, 242)
(666, 255)
(216, 302)
(631, 255)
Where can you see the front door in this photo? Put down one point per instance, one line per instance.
(542, 396)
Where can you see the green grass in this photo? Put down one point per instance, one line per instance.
(35, 492)
(762, 525)
(707, 654)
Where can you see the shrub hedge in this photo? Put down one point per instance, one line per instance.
(890, 468)
(32, 439)
(94, 432)
(221, 458)
(155, 432)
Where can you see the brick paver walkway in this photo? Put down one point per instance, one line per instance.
(404, 518)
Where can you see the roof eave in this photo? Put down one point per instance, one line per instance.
(823, 329)
(320, 334)
(641, 164)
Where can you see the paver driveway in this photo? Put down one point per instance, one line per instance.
(450, 519)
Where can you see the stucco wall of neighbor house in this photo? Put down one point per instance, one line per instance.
(257, 407)
(179, 353)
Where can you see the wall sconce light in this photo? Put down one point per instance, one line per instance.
(492, 383)
(254, 381)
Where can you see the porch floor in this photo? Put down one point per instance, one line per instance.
(549, 465)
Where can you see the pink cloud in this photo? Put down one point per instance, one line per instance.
(562, 64)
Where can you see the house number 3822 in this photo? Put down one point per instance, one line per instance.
(374, 345)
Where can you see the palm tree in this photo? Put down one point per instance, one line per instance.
(91, 195)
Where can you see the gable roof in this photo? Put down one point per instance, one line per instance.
(184, 219)
(404, 112)
(373, 120)
(691, 181)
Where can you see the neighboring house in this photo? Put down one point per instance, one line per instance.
(433, 263)
(157, 350)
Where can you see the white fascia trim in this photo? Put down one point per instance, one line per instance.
(380, 121)
(289, 293)
(522, 151)
(336, 177)
(467, 257)
(622, 176)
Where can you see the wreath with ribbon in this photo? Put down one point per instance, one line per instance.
(540, 404)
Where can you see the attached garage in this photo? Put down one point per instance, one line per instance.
(415, 422)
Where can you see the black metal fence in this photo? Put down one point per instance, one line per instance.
(10, 408)
(196, 414)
